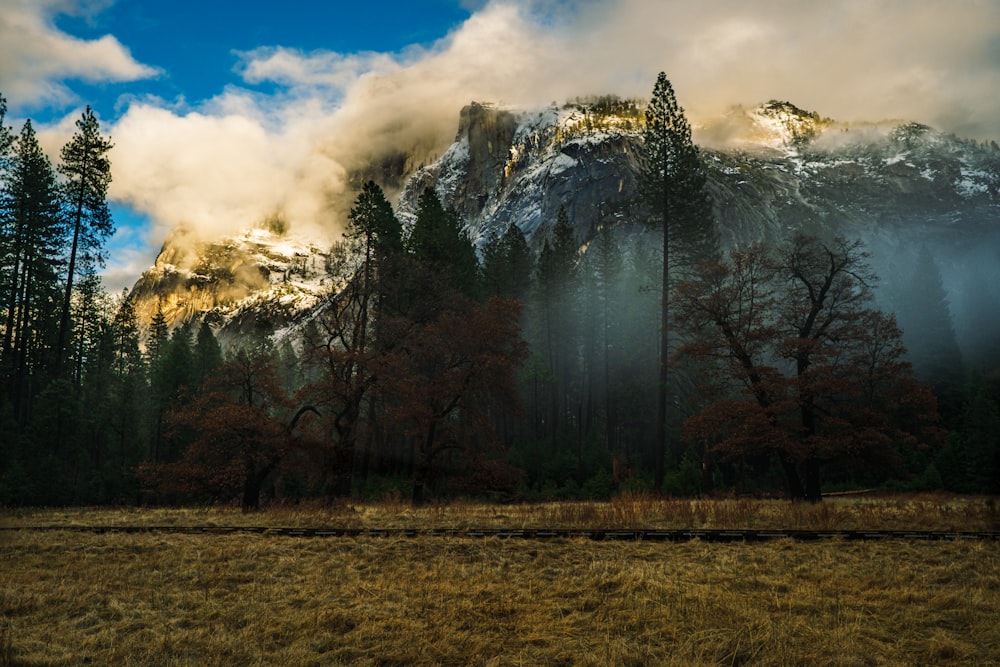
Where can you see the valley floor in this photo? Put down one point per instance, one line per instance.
(69, 598)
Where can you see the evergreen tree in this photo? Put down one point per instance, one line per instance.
(375, 235)
(925, 317)
(507, 265)
(607, 273)
(87, 171)
(90, 323)
(207, 354)
(441, 246)
(373, 219)
(158, 334)
(672, 185)
(556, 298)
(29, 264)
(6, 141)
(127, 442)
(93, 379)
(351, 332)
(979, 435)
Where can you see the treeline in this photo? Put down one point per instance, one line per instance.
(436, 369)
(65, 368)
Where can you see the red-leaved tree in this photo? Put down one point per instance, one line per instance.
(801, 365)
(241, 428)
(445, 383)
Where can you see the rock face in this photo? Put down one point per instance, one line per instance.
(506, 168)
(260, 281)
(771, 170)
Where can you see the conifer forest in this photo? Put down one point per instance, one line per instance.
(577, 366)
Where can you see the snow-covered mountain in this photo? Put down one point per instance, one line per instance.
(772, 169)
(263, 280)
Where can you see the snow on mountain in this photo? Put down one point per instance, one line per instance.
(520, 168)
(771, 169)
(262, 280)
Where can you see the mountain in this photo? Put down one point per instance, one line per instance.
(770, 169)
(897, 186)
(263, 280)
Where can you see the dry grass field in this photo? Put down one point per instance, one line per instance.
(72, 598)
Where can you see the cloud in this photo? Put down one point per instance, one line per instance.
(848, 59)
(218, 174)
(319, 69)
(300, 123)
(36, 57)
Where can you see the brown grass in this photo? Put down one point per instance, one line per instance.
(157, 599)
(914, 512)
(69, 598)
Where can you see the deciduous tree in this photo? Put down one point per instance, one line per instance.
(444, 382)
(805, 368)
(241, 427)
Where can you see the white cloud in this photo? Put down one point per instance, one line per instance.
(318, 69)
(217, 174)
(36, 57)
(244, 155)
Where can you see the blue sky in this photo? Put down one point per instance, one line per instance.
(225, 112)
(196, 43)
(183, 54)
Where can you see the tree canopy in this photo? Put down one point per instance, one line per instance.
(803, 366)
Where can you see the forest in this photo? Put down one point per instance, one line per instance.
(439, 369)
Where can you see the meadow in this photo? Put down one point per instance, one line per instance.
(71, 598)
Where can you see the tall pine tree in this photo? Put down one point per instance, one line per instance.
(672, 186)
(507, 265)
(556, 295)
(925, 317)
(442, 247)
(87, 172)
(29, 265)
(6, 140)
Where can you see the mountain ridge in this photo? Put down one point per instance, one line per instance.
(771, 169)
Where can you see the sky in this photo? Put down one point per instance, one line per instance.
(225, 113)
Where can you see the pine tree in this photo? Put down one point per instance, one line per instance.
(349, 334)
(158, 334)
(6, 140)
(207, 354)
(87, 171)
(672, 185)
(925, 318)
(980, 440)
(439, 243)
(128, 387)
(557, 264)
(607, 270)
(29, 265)
(507, 265)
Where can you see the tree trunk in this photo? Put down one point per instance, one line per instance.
(422, 470)
(251, 489)
(793, 482)
(813, 492)
(662, 443)
(64, 320)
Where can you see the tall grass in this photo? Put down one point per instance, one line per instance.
(915, 512)
(156, 599)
